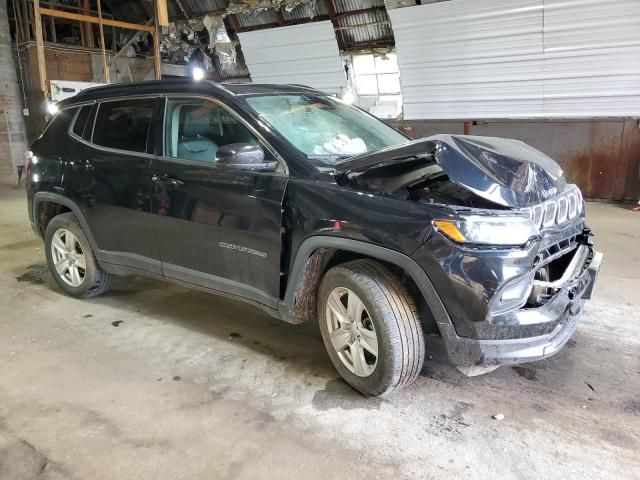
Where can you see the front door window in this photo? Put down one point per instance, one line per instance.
(203, 131)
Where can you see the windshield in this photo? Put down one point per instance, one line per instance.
(324, 128)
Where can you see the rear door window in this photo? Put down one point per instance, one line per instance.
(124, 125)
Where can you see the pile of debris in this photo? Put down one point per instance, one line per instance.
(196, 40)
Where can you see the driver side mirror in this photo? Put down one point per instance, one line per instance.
(243, 156)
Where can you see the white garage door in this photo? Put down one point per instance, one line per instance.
(519, 58)
(303, 54)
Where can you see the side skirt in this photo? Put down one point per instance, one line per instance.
(199, 281)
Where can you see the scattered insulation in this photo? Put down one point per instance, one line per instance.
(219, 41)
(179, 44)
(186, 39)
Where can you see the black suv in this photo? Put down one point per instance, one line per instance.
(309, 208)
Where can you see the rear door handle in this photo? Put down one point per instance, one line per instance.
(166, 181)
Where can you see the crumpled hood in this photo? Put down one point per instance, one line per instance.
(504, 171)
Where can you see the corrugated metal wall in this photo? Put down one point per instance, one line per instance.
(305, 54)
(519, 58)
(592, 58)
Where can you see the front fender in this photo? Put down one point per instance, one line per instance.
(315, 251)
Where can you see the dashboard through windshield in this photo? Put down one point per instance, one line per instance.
(325, 129)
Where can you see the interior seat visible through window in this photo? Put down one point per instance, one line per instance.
(197, 129)
(193, 142)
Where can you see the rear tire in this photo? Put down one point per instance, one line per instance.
(71, 259)
(383, 310)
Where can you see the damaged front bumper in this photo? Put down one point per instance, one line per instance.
(565, 308)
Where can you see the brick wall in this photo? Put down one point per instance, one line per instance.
(12, 132)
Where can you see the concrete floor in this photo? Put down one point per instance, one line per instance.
(153, 381)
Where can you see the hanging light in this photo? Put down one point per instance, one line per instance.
(52, 108)
(348, 97)
(197, 73)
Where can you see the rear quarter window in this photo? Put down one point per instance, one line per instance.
(55, 138)
(59, 125)
(81, 120)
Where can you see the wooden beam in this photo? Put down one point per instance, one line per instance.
(162, 13)
(42, 66)
(90, 19)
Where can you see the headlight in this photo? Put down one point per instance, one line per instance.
(488, 230)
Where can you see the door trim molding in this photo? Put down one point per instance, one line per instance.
(219, 284)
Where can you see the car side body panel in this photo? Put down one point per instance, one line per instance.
(219, 222)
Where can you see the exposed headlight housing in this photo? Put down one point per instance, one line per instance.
(499, 230)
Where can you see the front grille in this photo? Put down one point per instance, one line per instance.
(559, 210)
(557, 250)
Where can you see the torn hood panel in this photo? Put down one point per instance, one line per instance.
(503, 171)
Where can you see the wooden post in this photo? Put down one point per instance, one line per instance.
(42, 65)
(86, 27)
(105, 66)
(161, 11)
(156, 44)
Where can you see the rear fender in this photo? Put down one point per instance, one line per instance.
(40, 197)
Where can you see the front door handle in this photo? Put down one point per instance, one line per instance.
(166, 181)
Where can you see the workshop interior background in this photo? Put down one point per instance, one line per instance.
(561, 76)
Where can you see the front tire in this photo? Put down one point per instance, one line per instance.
(71, 259)
(370, 327)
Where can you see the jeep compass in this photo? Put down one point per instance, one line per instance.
(311, 209)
